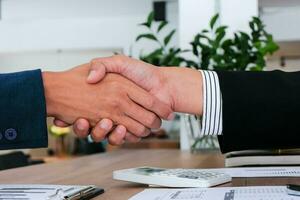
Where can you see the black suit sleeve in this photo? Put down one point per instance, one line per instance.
(22, 111)
(261, 110)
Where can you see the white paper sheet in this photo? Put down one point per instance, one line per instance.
(260, 171)
(224, 193)
(36, 192)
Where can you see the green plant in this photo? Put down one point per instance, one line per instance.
(163, 55)
(213, 50)
(242, 52)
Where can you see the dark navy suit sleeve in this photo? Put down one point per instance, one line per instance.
(22, 111)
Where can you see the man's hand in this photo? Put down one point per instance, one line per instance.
(69, 97)
(180, 88)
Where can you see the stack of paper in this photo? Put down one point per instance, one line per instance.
(225, 193)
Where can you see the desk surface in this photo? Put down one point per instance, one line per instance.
(97, 170)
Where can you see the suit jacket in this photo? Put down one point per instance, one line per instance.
(22, 111)
(261, 110)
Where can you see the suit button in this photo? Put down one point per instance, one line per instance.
(10, 134)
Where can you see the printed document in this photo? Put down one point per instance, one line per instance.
(222, 193)
(260, 171)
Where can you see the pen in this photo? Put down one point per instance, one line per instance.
(293, 189)
(85, 193)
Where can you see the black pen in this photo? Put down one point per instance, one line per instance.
(85, 193)
(293, 189)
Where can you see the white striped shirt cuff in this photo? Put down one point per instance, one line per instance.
(211, 121)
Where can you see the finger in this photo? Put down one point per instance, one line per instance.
(140, 114)
(134, 126)
(101, 66)
(81, 128)
(60, 123)
(143, 74)
(117, 136)
(101, 129)
(150, 102)
(96, 73)
(129, 137)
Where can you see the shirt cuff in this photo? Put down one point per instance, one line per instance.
(211, 122)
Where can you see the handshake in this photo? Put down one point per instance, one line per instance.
(120, 98)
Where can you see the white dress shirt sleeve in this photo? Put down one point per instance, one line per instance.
(211, 122)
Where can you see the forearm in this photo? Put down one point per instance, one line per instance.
(49, 85)
(186, 89)
(56, 92)
(64, 94)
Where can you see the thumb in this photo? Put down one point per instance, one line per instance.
(137, 71)
(96, 73)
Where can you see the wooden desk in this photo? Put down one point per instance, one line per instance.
(151, 143)
(97, 169)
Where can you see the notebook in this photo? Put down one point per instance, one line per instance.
(277, 157)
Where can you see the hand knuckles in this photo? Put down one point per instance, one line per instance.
(80, 134)
(119, 58)
(129, 137)
(151, 119)
(115, 103)
(115, 86)
(135, 140)
(142, 131)
(150, 102)
(95, 61)
(114, 141)
(97, 137)
(147, 132)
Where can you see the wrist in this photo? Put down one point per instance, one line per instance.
(185, 87)
(49, 79)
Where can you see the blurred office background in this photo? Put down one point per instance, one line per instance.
(59, 34)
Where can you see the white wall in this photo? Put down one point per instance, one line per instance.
(237, 14)
(194, 16)
(50, 60)
(282, 21)
(291, 65)
(34, 25)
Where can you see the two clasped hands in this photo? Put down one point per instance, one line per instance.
(120, 98)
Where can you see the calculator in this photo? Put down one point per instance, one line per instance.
(181, 178)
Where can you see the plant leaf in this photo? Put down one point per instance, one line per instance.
(213, 21)
(161, 26)
(150, 18)
(219, 37)
(145, 24)
(169, 37)
(194, 48)
(221, 29)
(146, 36)
(149, 21)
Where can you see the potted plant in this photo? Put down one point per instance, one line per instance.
(212, 50)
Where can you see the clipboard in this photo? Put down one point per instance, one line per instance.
(50, 192)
